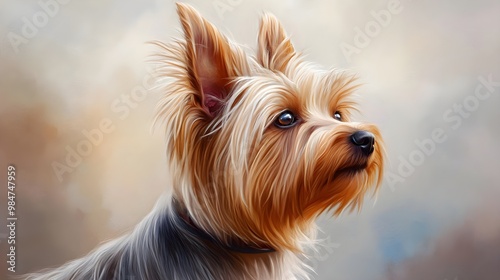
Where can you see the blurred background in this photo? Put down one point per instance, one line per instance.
(75, 120)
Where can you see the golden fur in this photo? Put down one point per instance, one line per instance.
(238, 174)
(241, 180)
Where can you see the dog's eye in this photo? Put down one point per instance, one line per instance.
(285, 120)
(337, 116)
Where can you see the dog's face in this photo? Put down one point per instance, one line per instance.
(261, 145)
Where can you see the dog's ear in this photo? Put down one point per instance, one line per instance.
(210, 60)
(275, 49)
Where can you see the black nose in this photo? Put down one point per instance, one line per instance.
(364, 140)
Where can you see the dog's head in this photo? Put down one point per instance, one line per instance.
(261, 145)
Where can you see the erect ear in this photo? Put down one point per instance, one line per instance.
(210, 61)
(275, 49)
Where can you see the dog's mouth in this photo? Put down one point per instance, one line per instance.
(350, 170)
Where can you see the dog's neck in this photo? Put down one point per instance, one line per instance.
(236, 245)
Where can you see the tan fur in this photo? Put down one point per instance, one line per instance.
(239, 179)
(239, 176)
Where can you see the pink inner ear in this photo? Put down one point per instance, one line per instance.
(213, 98)
(213, 78)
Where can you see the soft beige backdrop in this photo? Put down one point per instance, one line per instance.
(69, 68)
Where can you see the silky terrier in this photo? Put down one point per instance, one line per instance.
(259, 146)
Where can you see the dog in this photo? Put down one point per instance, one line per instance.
(258, 146)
